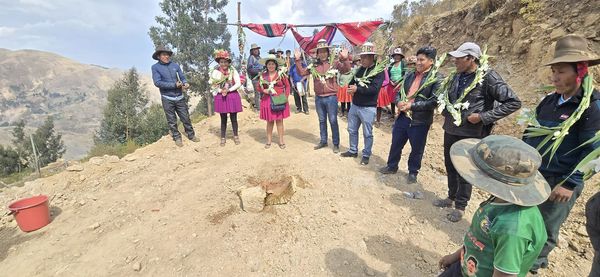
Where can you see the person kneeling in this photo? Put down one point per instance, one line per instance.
(507, 231)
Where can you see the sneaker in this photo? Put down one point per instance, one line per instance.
(411, 178)
(336, 149)
(320, 145)
(443, 203)
(455, 215)
(387, 170)
(306, 113)
(298, 111)
(195, 139)
(179, 142)
(364, 160)
(348, 154)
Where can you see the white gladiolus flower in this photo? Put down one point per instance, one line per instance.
(557, 133)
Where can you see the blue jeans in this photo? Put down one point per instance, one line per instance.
(361, 115)
(327, 108)
(402, 132)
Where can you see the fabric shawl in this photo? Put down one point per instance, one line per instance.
(268, 30)
(357, 33)
(309, 43)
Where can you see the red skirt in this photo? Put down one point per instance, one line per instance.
(343, 95)
(392, 93)
(384, 98)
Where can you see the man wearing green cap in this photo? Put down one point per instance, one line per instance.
(569, 73)
(507, 231)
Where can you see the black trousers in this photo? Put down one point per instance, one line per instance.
(172, 110)
(234, 124)
(454, 270)
(592, 215)
(459, 190)
(300, 101)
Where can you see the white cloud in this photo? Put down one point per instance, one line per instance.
(6, 31)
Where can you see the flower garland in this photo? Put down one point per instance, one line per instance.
(454, 109)
(366, 78)
(330, 73)
(431, 78)
(558, 133)
(271, 84)
(226, 77)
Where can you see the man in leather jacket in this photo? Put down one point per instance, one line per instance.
(490, 101)
(414, 128)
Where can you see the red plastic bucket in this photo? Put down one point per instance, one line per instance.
(31, 213)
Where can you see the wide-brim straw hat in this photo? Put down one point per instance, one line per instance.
(271, 57)
(321, 44)
(397, 51)
(367, 49)
(254, 46)
(573, 49)
(161, 49)
(502, 166)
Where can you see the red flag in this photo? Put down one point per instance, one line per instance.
(268, 30)
(357, 33)
(308, 43)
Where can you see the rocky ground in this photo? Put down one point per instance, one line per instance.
(168, 211)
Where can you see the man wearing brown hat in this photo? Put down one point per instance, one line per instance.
(569, 70)
(169, 78)
(254, 68)
(507, 231)
(326, 88)
(482, 105)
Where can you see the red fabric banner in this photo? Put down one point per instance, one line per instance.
(268, 30)
(357, 33)
(309, 43)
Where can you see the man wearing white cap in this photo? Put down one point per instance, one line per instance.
(483, 98)
(364, 88)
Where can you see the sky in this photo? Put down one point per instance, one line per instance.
(114, 33)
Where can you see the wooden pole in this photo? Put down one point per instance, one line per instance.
(208, 94)
(35, 156)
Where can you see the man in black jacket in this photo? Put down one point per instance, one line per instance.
(569, 68)
(364, 103)
(421, 102)
(488, 102)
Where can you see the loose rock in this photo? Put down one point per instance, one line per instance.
(137, 266)
(253, 199)
(75, 167)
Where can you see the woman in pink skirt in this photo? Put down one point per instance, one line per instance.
(273, 83)
(225, 82)
(383, 99)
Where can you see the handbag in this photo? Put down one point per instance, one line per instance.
(278, 102)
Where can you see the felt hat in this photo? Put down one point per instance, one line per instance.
(161, 49)
(572, 49)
